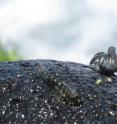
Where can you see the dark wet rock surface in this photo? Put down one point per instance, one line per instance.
(30, 94)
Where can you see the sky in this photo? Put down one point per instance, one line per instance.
(19, 15)
(68, 30)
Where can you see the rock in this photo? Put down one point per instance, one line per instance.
(55, 92)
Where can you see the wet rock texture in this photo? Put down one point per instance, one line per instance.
(28, 97)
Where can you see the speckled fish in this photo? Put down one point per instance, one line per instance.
(67, 94)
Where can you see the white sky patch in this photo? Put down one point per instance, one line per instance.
(97, 29)
(103, 5)
(21, 15)
(18, 17)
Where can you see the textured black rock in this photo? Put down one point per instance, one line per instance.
(54, 92)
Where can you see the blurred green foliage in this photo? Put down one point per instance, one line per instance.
(6, 55)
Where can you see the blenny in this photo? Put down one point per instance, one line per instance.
(67, 94)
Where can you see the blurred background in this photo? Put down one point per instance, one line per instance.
(67, 30)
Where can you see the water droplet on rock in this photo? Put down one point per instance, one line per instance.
(18, 75)
(112, 113)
